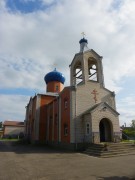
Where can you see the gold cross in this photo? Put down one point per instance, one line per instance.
(83, 34)
(54, 65)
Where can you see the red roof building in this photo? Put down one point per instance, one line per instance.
(12, 128)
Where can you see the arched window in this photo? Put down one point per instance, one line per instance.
(65, 103)
(78, 73)
(57, 88)
(92, 69)
(65, 129)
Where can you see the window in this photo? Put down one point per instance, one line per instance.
(65, 104)
(92, 69)
(57, 87)
(87, 129)
(65, 129)
(78, 75)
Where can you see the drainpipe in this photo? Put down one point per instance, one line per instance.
(57, 120)
(75, 116)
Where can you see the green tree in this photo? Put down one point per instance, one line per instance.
(133, 124)
(1, 125)
(130, 131)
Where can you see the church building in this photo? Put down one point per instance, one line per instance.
(76, 115)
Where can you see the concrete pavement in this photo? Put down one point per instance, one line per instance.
(28, 162)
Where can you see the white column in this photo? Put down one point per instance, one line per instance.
(37, 117)
(59, 119)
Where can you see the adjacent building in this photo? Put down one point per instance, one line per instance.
(13, 129)
(1, 132)
(84, 112)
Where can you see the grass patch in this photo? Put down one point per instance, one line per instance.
(130, 141)
(7, 139)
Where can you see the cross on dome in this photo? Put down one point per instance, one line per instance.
(83, 34)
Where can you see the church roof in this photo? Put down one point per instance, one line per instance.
(13, 123)
(77, 55)
(97, 105)
(54, 76)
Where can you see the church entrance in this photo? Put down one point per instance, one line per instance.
(105, 129)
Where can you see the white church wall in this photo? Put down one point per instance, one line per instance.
(85, 98)
(72, 115)
(82, 100)
(82, 134)
(98, 115)
(37, 116)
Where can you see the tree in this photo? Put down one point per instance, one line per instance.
(1, 125)
(133, 124)
(130, 131)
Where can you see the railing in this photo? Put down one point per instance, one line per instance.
(127, 137)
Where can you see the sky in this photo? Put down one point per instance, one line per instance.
(38, 35)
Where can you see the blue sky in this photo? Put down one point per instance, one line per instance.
(26, 6)
(36, 34)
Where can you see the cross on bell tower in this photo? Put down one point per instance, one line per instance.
(95, 93)
(83, 34)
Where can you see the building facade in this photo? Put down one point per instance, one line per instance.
(84, 112)
(13, 129)
(1, 132)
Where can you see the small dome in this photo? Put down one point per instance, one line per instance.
(54, 76)
(83, 40)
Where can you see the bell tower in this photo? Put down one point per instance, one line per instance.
(94, 112)
(86, 66)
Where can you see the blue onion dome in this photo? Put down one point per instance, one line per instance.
(54, 76)
(83, 40)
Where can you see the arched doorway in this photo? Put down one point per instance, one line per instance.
(105, 129)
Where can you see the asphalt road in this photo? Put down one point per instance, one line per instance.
(27, 162)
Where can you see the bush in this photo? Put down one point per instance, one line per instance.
(130, 133)
(21, 135)
(9, 137)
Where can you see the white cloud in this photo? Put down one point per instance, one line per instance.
(2, 6)
(126, 107)
(48, 2)
(12, 107)
(32, 43)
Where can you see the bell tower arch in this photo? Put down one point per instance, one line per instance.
(77, 73)
(86, 66)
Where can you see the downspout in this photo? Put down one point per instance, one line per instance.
(57, 120)
(53, 124)
(75, 118)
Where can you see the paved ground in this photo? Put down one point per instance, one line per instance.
(27, 162)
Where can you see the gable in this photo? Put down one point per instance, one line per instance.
(100, 106)
(88, 53)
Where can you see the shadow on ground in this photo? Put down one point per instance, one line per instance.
(115, 178)
(22, 148)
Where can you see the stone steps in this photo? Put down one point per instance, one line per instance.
(112, 149)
